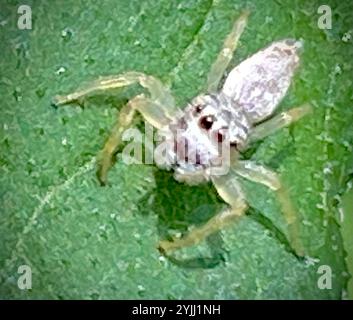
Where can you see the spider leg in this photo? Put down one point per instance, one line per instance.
(279, 121)
(230, 43)
(148, 109)
(158, 93)
(229, 189)
(263, 175)
(158, 109)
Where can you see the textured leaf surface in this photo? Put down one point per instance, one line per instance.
(86, 241)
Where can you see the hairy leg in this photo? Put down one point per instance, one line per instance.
(230, 43)
(279, 121)
(151, 112)
(260, 174)
(158, 93)
(230, 191)
(158, 109)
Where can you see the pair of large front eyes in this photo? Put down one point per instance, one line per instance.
(205, 122)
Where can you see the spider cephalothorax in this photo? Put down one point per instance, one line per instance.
(200, 137)
(227, 118)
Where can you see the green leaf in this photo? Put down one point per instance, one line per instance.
(347, 227)
(86, 241)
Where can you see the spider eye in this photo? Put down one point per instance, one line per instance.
(220, 136)
(234, 144)
(198, 108)
(206, 122)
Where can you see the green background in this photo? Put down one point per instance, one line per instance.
(86, 241)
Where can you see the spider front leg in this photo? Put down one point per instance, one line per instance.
(151, 111)
(229, 189)
(230, 44)
(158, 109)
(260, 174)
(279, 121)
(158, 93)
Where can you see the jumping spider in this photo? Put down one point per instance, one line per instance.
(243, 107)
